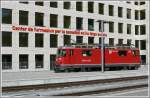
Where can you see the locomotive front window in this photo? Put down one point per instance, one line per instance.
(86, 53)
(122, 53)
(135, 53)
(61, 52)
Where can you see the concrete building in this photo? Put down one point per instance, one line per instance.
(31, 30)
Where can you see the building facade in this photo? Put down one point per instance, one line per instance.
(27, 46)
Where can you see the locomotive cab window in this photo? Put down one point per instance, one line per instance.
(122, 53)
(61, 53)
(135, 53)
(71, 52)
(86, 53)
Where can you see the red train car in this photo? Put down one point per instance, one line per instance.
(89, 56)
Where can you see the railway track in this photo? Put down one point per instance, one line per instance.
(78, 88)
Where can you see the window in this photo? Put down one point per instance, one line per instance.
(136, 29)
(79, 6)
(128, 13)
(67, 21)
(71, 52)
(79, 39)
(67, 39)
(61, 52)
(6, 16)
(23, 17)
(120, 12)
(101, 8)
(137, 43)
(122, 53)
(86, 53)
(67, 5)
(39, 58)
(120, 27)
(39, 40)
(90, 40)
(23, 61)
(53, 20)
(129, 42)
(90, 7)
(91, 24)
(111, 27)
(6, 61)
(136, 14)
(143, 59)
(52, 61)
(142, 3)
(100, 40)
(6, 39)
(128, 28)
(142, 14)
(111, 10)
(128, 2)
(53, 4)
(111, 41)
(79, 23)
(143, 44)
(23, 39)
(53, 40)
(39, 19)
(24, 2)
(39, 3)
(120, 41)
(143, 29)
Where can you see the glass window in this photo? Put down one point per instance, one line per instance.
(53, 4)
(67, 21)
(39, 19)
(39, 3)
(120, 27)
(52, 61)
(142, 14)
(143, 59)
(79, 6)
(61, 52)
(39, 40)
(23, 61)
(6, 61)
(129, 41)
(143, 44)
(71, 52)
(143, 29)
(79, 39)
(39, 58)
(128, 13)
(120, 41)
(23, 39)
(90, 40)
(90, 7)
(79, 23)
(91, 24)
(53, 20)
(101, 8)
(67, 5)
(111, 41)
(23, 17)
(136, 29)
(128, 28)
(100, 40)
(6, 16)
(111, 10)
(53, 40)
(122, 53)
(137, 43)
(67, 39)
(136, 14)
(142, 3)
(111, 27)
(120, 12)
(6, 38)
(86, 53)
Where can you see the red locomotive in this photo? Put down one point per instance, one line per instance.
(85, 57)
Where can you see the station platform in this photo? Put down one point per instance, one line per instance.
(10, 79)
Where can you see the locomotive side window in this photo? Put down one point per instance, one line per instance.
(61, 52)
(135, 53)
(86, 53)
(122, 53)
(71, 52)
